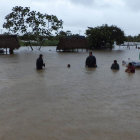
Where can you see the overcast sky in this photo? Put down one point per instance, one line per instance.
(80, 14)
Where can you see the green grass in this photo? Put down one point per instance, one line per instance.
(45, 43)
(51, 43)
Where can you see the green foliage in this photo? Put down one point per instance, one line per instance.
(104, 36)
(52, 42)
(133, 38)
(32, 24)
(65, 34)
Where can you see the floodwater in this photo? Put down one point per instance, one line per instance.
(61, 103)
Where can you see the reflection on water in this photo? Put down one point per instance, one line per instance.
(75, 103)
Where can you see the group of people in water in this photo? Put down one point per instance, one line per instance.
(130, 68)
(90, 63)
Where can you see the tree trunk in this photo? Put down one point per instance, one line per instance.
(40, 48)
(31, 45)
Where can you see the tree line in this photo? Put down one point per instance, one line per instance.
(133, 38)
(36, 28)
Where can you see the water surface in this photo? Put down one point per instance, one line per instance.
(61, 103)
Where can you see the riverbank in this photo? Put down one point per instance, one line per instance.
(45, 43)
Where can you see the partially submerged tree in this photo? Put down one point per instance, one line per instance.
(26, 22)
(104, 36)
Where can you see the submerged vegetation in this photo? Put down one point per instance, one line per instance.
(104, 36)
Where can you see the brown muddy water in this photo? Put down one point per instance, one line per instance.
(61, 103)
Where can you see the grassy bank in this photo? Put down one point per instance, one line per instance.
(45, 43)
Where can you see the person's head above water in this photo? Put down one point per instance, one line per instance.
(40, 55)
(90, 53)
(68, 65)
(115, 61)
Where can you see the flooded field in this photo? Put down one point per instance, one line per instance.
(68, 104)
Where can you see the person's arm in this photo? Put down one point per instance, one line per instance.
(111, 66)
(127, 69)
(118, 67)
(37, 63)
(95, 62)
(43, 64)
(86, 63)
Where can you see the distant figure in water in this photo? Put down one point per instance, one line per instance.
(91, 61)
(115, 65)
(68, 65)
(39, 62)
(130, 68)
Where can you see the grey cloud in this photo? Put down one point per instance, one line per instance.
(79, 2)
(96, 4)
(133, 4)
(83, 2)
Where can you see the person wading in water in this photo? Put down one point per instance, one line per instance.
(39, 62)
(115, 65)
(91, 61)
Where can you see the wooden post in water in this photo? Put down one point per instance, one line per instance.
(6, 50)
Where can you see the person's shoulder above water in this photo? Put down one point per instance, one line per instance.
(115, 65)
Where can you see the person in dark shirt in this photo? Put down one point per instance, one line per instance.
(115, 65)
(91, 61)
(40, 63)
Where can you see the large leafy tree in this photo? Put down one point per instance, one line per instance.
(31, 23)
(104, 36)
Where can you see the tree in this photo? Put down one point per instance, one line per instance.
(104, 36)
(64, 34)
(24, 21)
(67, 33)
